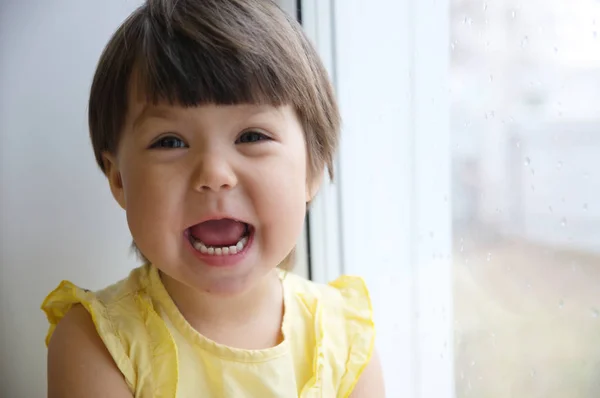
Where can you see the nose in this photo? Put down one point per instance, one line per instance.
(214, 173)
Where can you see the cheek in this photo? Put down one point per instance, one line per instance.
(282, 194)
(152, 202)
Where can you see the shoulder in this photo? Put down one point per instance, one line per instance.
(88, 332)
(78, 362)
(346, 291)
(103, 305)
(342, 310)
(370, 383)
(346, 298)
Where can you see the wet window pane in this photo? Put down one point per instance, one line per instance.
(525, 90)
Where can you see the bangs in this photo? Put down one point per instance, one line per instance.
(219, 52)
(183, 68)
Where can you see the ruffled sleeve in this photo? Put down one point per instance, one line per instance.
(357, 314)
(59, 302)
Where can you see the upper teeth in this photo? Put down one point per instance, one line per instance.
(220, 251)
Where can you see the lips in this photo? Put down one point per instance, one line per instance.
(219, 241)
(221, 232)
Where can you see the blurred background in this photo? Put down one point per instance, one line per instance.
(468, 188)
(525, 125)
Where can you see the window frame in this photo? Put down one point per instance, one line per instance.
(411, 289)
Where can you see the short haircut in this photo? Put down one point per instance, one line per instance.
(222, 52)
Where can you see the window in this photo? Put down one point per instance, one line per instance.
(525, 131)
(468, 193)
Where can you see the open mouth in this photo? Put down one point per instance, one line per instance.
(224, 237)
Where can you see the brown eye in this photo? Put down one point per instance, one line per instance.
(169, 142)
(250, 137)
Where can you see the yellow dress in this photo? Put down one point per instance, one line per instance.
(328, 339)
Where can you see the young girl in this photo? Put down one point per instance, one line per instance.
(213, 121)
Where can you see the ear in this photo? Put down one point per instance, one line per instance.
(113, 174)
(313, 184)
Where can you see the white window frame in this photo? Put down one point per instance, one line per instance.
(411, 283)
(324, 230)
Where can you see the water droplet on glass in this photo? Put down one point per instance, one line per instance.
(489, 257)
(527, 161)
(595, 313)
(485, 6)
(585, 207)
(524, 42)
(518, 144)
(561, 304)
(532, 187)
(586, 175)
(532, 172)
(431, 234)
(472, 363)
(559, 165)
(532, 373)
(563, 222)
(513, 14)
(595, 34)
(555, 50)
(491, 78)
(550, 208)
(529, 286)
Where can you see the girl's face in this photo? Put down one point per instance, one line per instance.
(215, 195)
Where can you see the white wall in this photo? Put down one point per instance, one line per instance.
(57, 217)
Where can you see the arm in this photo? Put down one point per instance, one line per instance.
(370, 384)
(79, 365)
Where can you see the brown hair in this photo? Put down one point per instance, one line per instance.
(195, 52)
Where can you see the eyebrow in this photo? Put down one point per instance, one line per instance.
(246, 112)
(149, 111)
(250, 111)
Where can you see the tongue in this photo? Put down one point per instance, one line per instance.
(224, 232)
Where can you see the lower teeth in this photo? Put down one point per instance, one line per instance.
(220, 251)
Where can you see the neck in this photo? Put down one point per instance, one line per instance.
(213, 311)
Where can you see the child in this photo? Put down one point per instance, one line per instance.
(213, 121)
